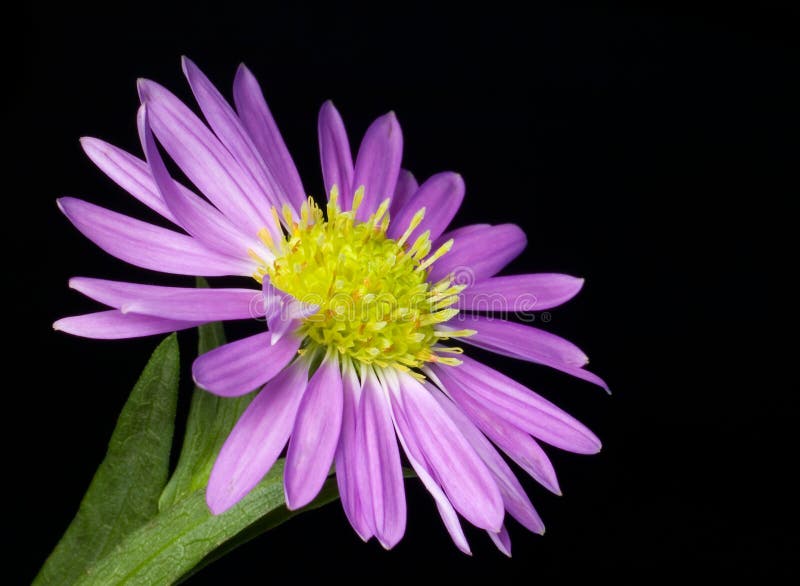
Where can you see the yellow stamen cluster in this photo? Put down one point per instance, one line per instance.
(376, 305)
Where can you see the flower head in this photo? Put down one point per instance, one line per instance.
(376, 306)
(367, 301)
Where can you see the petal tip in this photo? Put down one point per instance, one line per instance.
(387, 544)
(197, 377)
(387, 124)
(243, 70)
(596, 446)
(551, 484)
(143, 88)
(188, 66)
(296, 502)
(590, 444)
(217, 506)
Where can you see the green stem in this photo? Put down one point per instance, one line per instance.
(186, 536)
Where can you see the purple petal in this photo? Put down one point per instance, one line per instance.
(480, 253)
(134, 175)
(384, 496)
(548, 349)
(502, 540)
(406, 187)
(349, 454)
(231, 132)
(515, 500)
(517, 444)
(520, 293)
(464, 477)
(199, 219)
(204, 160)
(518, 405)
(129, 172)
(149, 246)
(258, 121)
(315, 436)
(461, 232)
(378, 163)
(424, 472)
(115, 325)
(117, 293)
(335, 154)
(180, 303)
(519, 341)
(257, 439)
(240, 367)
(451, 523)
(441, 196)
(200, 305)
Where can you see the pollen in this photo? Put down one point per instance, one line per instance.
(376, 305)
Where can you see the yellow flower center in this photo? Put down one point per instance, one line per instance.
(375, 303)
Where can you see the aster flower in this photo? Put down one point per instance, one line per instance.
(364, 302)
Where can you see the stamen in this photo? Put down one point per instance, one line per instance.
(440, 252)
(445, 334)
(439, 317)
(421, 246)
(449, 292)
(333, 201)
(445, 302)
(288, 217)
(359, 195)
(380, 211)
(450, 349)
(305, 213)
(266, 238)
(415, 220)
(447, 360)
(252, 254)
(276, 220)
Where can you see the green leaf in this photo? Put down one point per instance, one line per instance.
(186, 536)
(210, 420)
(124, 492)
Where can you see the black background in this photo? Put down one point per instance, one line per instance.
(649, 150)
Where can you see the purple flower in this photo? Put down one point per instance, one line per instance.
(361, 299)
